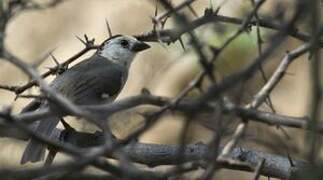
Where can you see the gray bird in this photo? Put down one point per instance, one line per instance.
(95, 80)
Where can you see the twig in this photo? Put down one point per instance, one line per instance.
(316, 97)
(278, 74)
(184, 4)
(258, 169)
(184, 106)
(89, 46)
(171, 35)
(9, 88)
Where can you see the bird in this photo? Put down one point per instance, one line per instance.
(95, 80)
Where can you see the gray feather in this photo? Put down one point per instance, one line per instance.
(83, 84)
(35, 151)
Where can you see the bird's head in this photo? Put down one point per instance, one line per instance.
(121, 49)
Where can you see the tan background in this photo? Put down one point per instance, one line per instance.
(163, 70)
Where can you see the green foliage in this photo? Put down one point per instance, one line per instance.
(238, 53)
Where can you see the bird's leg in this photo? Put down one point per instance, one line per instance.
(51, 155)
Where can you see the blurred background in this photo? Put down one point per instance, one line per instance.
(164, 70)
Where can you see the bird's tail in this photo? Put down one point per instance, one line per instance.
(35, 150)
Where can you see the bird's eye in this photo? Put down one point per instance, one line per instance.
(124, 43)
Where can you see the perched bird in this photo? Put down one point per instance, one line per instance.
(95, 80)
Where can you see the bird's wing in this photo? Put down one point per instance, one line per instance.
(86, 82)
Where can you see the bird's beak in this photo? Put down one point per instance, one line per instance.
(139, 46)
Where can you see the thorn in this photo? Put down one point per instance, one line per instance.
(16, 97)
(87, 42)
(215, 50)
(136, 140)
(181, 42)
(259, 168)
(164, 22)
(108, 27)
(86, 38)
(80, 39)
(41, 59)
(269, 103)
(217, 10)
(162, 44)
(208, 12)
(154, 22)
(192, 10)
(155, 15)
(290, 160)
(145, 91)
(156, 8)
(285, 133)
(211, 4)
(54, 58)
(58, 69)
(67, 126)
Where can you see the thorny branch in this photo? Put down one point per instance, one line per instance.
(156, 154)
(172, 35)
(88, 149)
